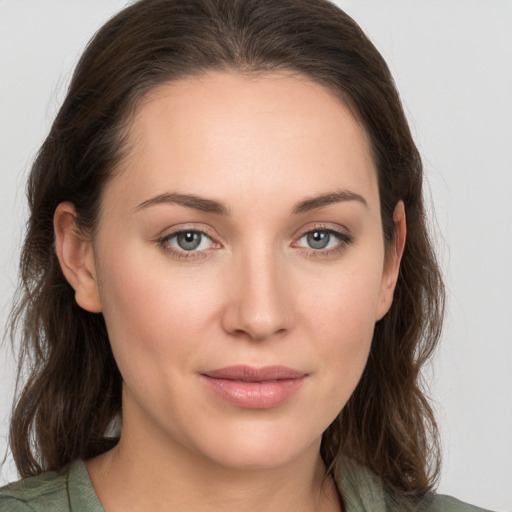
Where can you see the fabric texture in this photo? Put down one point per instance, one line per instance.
(72, 491)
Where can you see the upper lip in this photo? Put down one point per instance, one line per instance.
(246, 373)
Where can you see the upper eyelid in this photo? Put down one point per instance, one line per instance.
(169, 232)
(164, 242)
(341, 232)
(338, 229)
(170, 236)
(343, 237)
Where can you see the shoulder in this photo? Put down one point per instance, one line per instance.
(69, 491)
(438, 503)
(35, 493)
(363, 491)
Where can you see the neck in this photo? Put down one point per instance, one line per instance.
(130, 478)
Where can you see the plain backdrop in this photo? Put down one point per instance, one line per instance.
(452, 61)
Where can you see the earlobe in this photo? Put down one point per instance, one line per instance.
(76, 257)
(392, 263)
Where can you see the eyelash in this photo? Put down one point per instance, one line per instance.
(344, 240)
(164, 243)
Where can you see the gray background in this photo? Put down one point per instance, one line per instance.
(452, 61)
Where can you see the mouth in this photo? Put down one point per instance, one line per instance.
(254, 388)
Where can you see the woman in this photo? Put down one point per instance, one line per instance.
(227, 254)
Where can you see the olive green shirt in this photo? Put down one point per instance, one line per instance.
(72, 491)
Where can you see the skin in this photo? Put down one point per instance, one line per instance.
(255, 292)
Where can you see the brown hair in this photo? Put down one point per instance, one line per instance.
(73, 390)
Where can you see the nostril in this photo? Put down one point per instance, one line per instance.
(259, 304)
(243, 320)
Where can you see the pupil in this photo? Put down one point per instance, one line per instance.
(189, 240)
(318, 239)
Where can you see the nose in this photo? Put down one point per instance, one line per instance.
(259, 304)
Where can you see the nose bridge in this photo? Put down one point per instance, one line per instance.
(259, 304)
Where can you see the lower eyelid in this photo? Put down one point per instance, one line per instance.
(168, 245)
(343, 238)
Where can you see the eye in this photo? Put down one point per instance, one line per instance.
(318, 239)
(188, 240)
(323, 240)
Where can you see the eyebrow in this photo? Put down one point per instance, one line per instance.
(188, 200)
(212, 206)
(326, 199)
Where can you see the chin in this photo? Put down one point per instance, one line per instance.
(254, 459)
(259, 448)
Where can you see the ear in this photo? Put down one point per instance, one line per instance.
(392, 261)
(76, 257)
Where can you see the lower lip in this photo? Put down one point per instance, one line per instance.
(255, 395)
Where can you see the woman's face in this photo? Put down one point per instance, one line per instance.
(239, 264)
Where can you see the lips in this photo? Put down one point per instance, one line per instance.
(254, 388)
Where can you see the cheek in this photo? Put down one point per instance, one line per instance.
(153, 314)
(343, 304)
(342, 321)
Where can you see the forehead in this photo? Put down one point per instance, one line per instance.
(231, 136)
